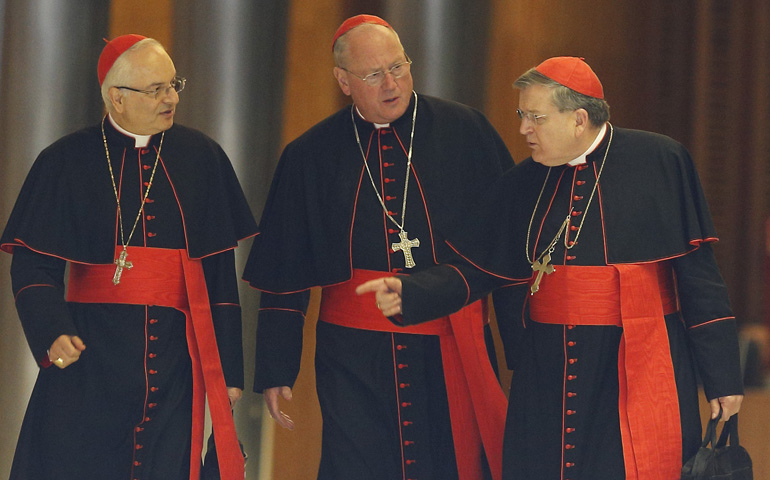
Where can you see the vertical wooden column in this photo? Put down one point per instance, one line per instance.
(151, 19)
(311, 94)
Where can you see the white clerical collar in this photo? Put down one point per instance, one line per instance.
(140, 141)
(582, 158)
(376, 125)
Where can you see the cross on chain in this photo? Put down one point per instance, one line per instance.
(121, 263)
(541, 267)
(406, 245)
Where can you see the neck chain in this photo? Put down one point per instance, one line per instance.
(541, 264)
(121, 260)
(405, 245)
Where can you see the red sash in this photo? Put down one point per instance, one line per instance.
(634, 297)
(477, 405)
(168, 278)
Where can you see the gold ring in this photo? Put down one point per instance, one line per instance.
(59, 361)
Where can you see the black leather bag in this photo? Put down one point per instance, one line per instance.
(722, 461)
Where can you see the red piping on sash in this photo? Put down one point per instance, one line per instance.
(168, 278)
(477, 404)
(636, 298)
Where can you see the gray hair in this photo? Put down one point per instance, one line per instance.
(120, 73)
(566, 99)
(341, 45)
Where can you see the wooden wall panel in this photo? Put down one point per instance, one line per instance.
(145, 17)
(311, 95)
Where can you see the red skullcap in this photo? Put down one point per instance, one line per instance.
(353, 22)
(574, 73)
(113, 50)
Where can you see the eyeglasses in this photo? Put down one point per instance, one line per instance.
(177, 83)
(375, 79)
(535, 119)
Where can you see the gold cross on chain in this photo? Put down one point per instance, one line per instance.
(121, 263)
(541, 267)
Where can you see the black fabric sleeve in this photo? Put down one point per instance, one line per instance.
(710, 323)
(442, 290)
(279, 339)
(222, 286)
(38, 286)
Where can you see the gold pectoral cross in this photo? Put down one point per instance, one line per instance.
(541, 267)
(406, 245)
(121, 263)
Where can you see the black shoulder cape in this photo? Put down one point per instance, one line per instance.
(307, 221)
(66, 207)
(652, 204)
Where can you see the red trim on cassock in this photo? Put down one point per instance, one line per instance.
(169, 278)
(636, 298)
(477, 405)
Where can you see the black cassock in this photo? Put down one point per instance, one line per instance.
(322, 219)
(563, 418)
(123, 410)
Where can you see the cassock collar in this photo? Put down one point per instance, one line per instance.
(582, 158)
(140, 141)
(400, 120)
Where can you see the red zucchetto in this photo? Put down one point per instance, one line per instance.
(113, 50)
(574, 73)
(353, 22)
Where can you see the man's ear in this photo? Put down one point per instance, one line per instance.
(116, 99)
(342, 80)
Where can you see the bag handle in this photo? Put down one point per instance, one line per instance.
(729, 432)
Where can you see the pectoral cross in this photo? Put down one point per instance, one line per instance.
(121, 263)
(406, 245)
(541, 267)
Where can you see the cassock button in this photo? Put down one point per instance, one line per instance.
(571, 344)
(403, 365)
(153, 337)
(139, 447)
(569, 464)
(152, 372)
(571, 377)
(569, 446)
(406, 404)
(571, 394)
(144, 151)
(572, 361)
(406, 424)
(581, 182)
(576, 213)
(570, 430)
(153, 321)
(571, 412)
(577, 198)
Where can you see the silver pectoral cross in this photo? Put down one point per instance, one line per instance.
(121, 263)
(541, 267)
(406, 245)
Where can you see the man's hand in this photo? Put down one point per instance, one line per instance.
(234, 394)
(271, 398)
(387, 294)
(730, 406)
(65, 350)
